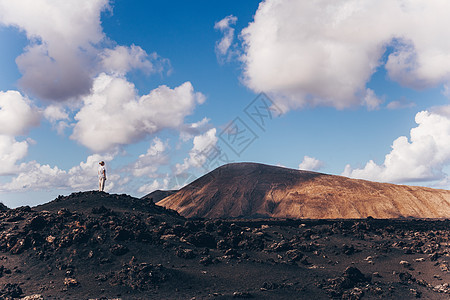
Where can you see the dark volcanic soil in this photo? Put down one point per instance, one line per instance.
(94, 245)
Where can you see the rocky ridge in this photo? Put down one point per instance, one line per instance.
(94, 245)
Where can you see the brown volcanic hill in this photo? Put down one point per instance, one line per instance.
(257, 190)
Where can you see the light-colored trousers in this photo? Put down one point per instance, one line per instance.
(101, 184)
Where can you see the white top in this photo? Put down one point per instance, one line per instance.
(101, 172)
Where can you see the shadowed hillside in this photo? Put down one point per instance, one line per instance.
(257, 190)
(158, 195)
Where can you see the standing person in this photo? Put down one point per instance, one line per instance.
(101, 176)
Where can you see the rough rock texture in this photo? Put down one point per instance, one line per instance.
(94, 245)
(256, 190)
(3, 207)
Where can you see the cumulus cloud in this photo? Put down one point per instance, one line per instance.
(113, 114)
(65, 51)
(153, 186)
(371, 101)
(223, 46)
(55, 113)
(34, 176)
(121, 60)
(57, 64)
(17, 115)
(419, 159)
(84, 176)
(188, 131)
(148, 163)
(58, 117)
(309, 53)
(199, 152)
(11, 151)
(443, 110)
(310, 164)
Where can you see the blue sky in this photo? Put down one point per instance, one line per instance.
(164, 91)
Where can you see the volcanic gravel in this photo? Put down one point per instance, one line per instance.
(94, 245)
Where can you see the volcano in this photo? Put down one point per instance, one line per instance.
(250, 190)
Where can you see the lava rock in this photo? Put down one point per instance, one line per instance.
(10, 291)
(118, 249)
(141, 276)
(122, 234)
(186, 253)
(206, 260)
(242, 295)
(4, 270)
(70, 282)
(202, 239)
(36, 223)
(350, 278)
(3, 207)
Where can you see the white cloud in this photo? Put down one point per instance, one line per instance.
(34, 176)
(443, 184)
(443, 110)
(199, 152)
(310, 164)
(17, 115)
(58, 117)
(371, 100)
(65, 50)
(223, 46)
(419, 159)
(62, 35)
(399, 104)
(310, 53)
(55, 113)
(121, 60)
(84, 176)
(11, 151)
(148, 163)
(188, 131)
(113, 114)
(150, 187)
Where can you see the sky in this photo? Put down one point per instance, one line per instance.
(166, 91)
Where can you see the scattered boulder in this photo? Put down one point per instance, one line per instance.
(70, 282)
(242, 295)
(348, 250)
(118, 249)
(405, 264)
(406, 277)
(207, 260)
(141, 276)
(186, 253)
(33, 297)
(202, 239)
(36, 223)
(339, 286)
(4, 270)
